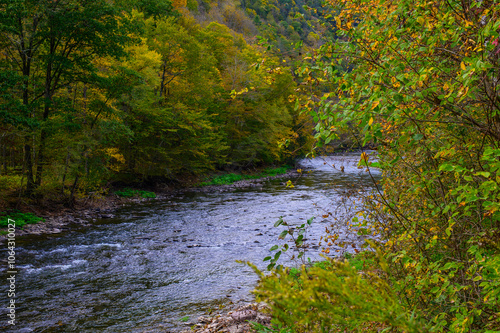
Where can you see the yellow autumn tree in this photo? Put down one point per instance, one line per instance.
(179, 3)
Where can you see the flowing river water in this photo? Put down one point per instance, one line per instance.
(160, 261)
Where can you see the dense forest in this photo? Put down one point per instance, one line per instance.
(95, 92)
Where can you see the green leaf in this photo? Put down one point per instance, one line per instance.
(446, 167)
(418, 137)
(283, 234)
(449, 265)
(485, 174)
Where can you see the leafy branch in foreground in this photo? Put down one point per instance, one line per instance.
(296, 234)
(420, 80)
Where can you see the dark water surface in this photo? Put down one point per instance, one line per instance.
(158, 262)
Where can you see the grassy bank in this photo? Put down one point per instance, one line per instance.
(19, 219)
(234, 177)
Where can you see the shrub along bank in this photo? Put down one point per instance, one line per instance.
(420, 79)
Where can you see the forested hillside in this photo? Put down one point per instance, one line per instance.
(94, 91)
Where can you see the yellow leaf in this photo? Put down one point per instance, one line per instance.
(363, 158)
(462, 65)
(370, 122)
(375, 104)
(337, 19)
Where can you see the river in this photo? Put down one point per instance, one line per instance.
(158, 262)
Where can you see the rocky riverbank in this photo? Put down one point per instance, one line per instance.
(235, 321)
(90, 209)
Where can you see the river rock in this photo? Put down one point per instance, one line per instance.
(243, 315)
(236, 321)
(204, 319)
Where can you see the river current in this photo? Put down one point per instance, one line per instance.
(161, 261)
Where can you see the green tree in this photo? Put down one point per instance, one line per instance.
(171, 82)
(156, 9)
(51, 45)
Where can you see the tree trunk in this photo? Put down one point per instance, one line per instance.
(30, 185)
(4, 160)
(46, 111)
(72, 195)
(40, 159)
(65, 172)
